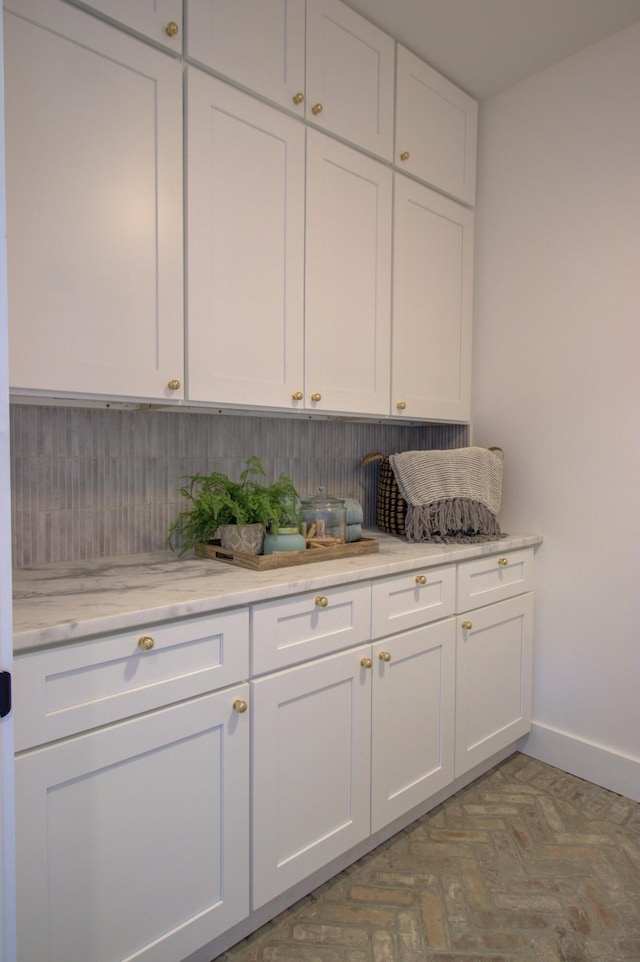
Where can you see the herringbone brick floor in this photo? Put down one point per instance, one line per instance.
(527, 863)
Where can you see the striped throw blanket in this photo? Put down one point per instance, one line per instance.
(452, 496)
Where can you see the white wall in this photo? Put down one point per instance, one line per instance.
(557, 385)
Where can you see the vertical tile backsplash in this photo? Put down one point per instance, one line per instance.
(95, 483)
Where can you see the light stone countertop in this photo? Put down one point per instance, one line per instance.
(65, 602)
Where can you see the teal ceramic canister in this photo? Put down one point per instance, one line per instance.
(283, 539)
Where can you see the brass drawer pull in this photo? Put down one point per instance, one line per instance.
(503, 561)
(467, 625)
(421, 580)
(240, 706)
(384, 656)
(366, 662)
(145, 642)
(321, 601)
(171, 28)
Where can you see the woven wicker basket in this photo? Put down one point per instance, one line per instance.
(391, 508)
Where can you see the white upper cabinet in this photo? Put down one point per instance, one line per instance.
(436, 128)
(348, 284)
(345, 83)
(94, 206)
(349, 89)
(245, 247)
(159, 20)
(258, 44)
(432, 304)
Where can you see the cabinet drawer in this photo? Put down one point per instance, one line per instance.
(291, 630)
(62, 691)
(411, 599)
(494, 578)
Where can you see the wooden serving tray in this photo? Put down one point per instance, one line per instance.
(287, 559)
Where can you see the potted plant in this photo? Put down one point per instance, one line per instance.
(238, 512)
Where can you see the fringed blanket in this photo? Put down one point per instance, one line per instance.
(452, 496)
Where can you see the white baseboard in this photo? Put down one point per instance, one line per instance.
(602, 766)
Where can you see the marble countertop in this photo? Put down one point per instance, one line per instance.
(60, 603)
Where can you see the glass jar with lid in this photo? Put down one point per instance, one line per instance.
(323, 518)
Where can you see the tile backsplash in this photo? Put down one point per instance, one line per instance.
(90, 483)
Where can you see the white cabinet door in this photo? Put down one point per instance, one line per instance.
(432, 304)
(311, 768)
(258, 44)
(94, 206)
(245, 247)
(493, 679)
(436, 128)
(413, 719)
(159, 20)
(350, 67)
(348, 283)
(132, 841)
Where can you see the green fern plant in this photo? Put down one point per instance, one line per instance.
(214, 499)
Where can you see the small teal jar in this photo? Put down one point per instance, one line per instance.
(283, 539)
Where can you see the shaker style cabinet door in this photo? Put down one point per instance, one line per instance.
(311, 768)
(348, 283)
(159, 20)
(413, 719)
(94, 206)
(350, 77)
(436, 128)
(494, 668)
(133, 840)
(258, 44)
(245, 248)
(432, 305)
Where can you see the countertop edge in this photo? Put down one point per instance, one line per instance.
(63, 603)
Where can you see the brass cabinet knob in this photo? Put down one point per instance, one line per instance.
(384, 656)
(316, 397)
(316, 109)
(240, 706)
(145, 642)
(297, 396)
(421, 579)
(401, 406)
(405, 155)
(174, 384)
(503, 561)
(321, 601)
(298, 98)
(171, 28)
(467, 625)
(366, 663)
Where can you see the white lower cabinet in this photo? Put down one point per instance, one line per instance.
(132, 791)
(311, 768)
(132, 840)
(413, 707)
(344, 744)
(493, 679)
(177, 778)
